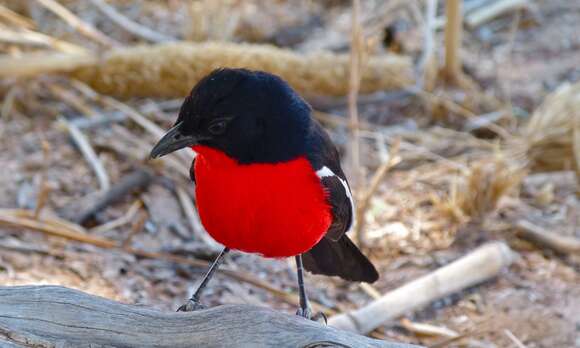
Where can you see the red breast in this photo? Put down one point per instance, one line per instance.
(277, 210)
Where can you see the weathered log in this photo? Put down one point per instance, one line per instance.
(54, 316)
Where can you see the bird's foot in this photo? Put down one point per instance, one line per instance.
(190, 306)
(307, 314)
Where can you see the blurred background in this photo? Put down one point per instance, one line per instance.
(458, 121)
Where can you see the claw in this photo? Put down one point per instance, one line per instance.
(304, 312)
(320, 318)
(307, 314)
(190, 306)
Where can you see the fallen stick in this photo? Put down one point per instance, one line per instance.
(89, 154)
(480, 265)
(170, 70)
(423, 329)
(50, 316)
(539, 236)
(132, 182)
(123, 220)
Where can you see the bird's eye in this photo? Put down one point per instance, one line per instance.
(217, 127)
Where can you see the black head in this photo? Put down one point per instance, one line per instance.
(251, 116)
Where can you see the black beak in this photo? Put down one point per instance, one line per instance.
(173, 140)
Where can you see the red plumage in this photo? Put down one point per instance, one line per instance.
(277, 210)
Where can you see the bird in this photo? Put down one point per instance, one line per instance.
(268, 179)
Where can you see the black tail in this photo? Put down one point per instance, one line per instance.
(340, 258)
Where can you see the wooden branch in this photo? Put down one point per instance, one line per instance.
(537, 235)
(49, 316)
(478, 266)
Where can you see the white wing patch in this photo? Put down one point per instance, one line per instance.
(326, 172)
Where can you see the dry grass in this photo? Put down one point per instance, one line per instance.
(551, 139)
(169, 70)
(476, 193)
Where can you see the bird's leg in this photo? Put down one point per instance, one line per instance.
(193, 303)
(304, 310)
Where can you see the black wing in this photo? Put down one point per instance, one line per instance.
(325, 159)
(335, 254)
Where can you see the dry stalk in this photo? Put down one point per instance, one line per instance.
(88, 153)
(136, 228)
(453, 33)
(428, 61)
(365, 198)
(135, 116)
(8, 103)
(70, 98)
(45, 189)
(356, 56)
(129, 25)
(78, 24)
(427, 329)
(494, 10)
(32, 38)
(552, 240)
(170, 70)
(123, 220)
(514, 339)
(15, 19)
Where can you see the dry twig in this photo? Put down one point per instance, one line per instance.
(123, 220)
(129, 25)
(453, 33)
(514, 339)
(495, 9)
(427, 329)
(482, 264)
(32, 38)
(363, 202)
(15, 19)
(355, 65)
(132, 182)
(88, 153)
(538, 235)
(78, 24)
